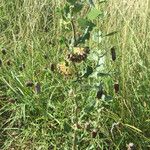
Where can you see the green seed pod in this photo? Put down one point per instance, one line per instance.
(113, 53)
(52, 67)
(4, 51)
(45, 56)
(0, 62)
(8, 62)
(99, 94)
(87, 50)
(116, 87)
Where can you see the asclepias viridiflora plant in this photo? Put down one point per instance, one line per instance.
(83, 63)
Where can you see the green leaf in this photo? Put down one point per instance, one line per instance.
(97, 37)
(93, 57)
(94, 13)
(62, 39)
(133, 128)
(86, 34)
(67, 127)
(103, 74)
(91, 3)
(102, 1)
(148, 120)
(84, 23)
(71, 1)
(90, 107)
(108, 98)
(89, 71)
(65, 11)
(77, 7)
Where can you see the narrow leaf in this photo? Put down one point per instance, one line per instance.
(133, 128)
(111, 33)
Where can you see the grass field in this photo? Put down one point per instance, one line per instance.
(43, 109)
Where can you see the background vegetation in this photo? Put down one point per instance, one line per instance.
(44, 109)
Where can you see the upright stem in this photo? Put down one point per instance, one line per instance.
(74, 32)
(74, 141)
(74, 147)
(75, 130)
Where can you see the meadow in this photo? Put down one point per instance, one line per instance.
(74, 75)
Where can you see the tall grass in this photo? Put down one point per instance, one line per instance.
(131, 19)
(29, 30)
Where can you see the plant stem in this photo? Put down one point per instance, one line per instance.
(76, 124)
(74, 147)
(74, 32)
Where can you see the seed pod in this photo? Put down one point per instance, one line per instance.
(52, 67)
(37, 88)
(131, 146)
(94, 133)
(8, 62)
(87, 50)
(20, 68)
(4, 51)
(0, 62)
(29, 84)
(116, 87)
(45, 56)
(113, 53)
(99, 94)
